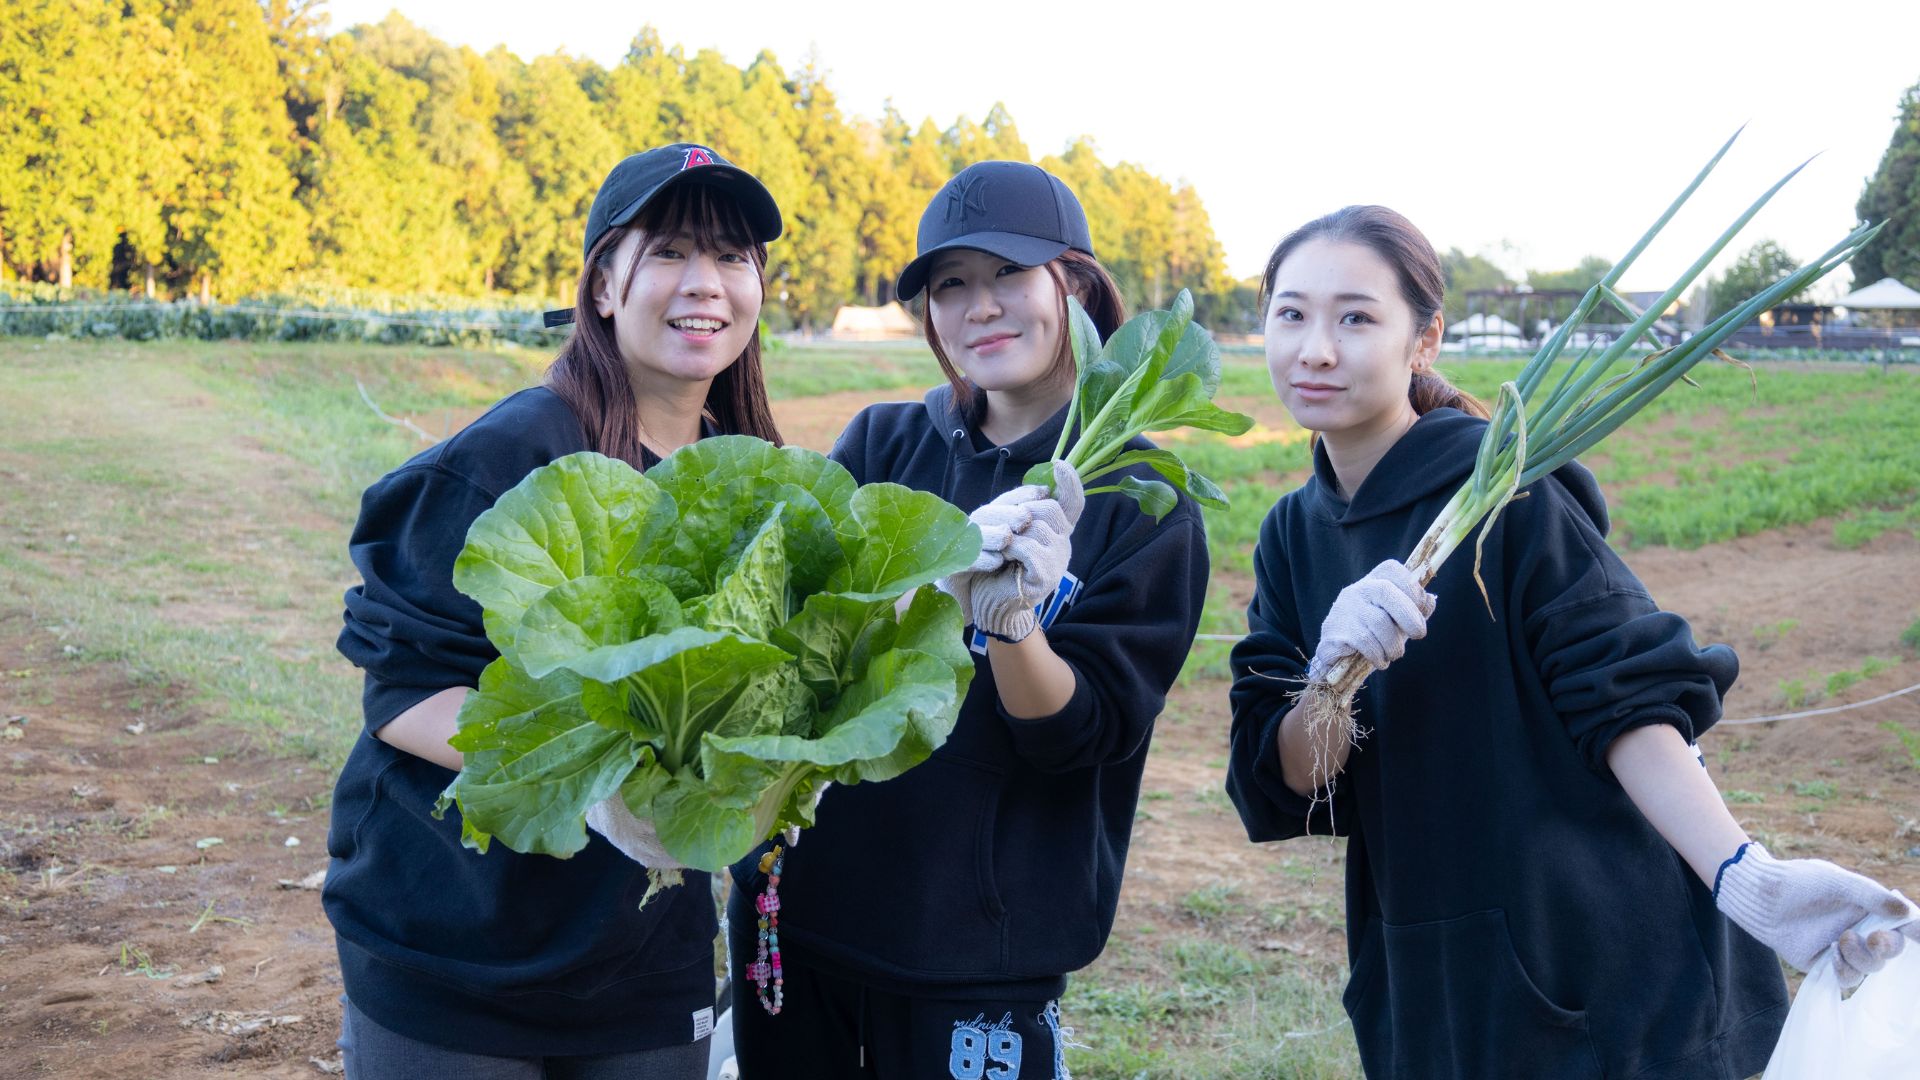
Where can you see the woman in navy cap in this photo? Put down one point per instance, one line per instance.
(509, 965)
(926, 926)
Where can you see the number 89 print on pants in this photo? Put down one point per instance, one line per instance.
(983, 1049)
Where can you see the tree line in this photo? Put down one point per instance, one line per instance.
(224, 148)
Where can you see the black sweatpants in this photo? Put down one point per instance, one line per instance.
(834, 1028)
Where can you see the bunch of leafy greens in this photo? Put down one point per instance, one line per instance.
(1157, 372)
(713, 640)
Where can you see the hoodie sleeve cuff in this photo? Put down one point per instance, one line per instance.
(1050, 740)
(1270, 775)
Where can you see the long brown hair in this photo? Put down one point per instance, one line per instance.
(590, 375)
(1422, 284)
(1074, 273)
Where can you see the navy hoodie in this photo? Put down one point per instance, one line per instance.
(1510, 912)
(502, 953)
(994, 868)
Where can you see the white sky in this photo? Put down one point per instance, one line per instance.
(1528, 132)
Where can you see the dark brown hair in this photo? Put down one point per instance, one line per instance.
(1422, 284)
(1074, 273)
(590, 375)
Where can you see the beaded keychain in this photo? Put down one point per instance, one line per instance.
(766, 962)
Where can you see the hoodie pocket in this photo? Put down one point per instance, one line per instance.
(1451, 999)
(902, 871)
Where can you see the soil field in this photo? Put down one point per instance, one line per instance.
(158, 906)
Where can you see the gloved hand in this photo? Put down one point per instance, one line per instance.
(1030, 525)
(636, 839)
(1799, 907)
(1375, 617)
(1035, 558)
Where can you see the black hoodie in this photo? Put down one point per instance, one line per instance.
(1509, 910)
(994, 867)
(502, 954)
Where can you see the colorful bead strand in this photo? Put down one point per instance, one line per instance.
(765, 968)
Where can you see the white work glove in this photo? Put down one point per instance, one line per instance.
(1034, 559)
(636, 839)
(1800, 907)
(1375, 617)
(1020, 524)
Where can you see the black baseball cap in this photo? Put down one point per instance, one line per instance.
(1019, 212)
(641, 177)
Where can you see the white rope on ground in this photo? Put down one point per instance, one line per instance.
(294, 313)
(1724, 723)
(1821, 712)
(400, 420)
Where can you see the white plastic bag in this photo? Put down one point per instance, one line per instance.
(1873, 1035)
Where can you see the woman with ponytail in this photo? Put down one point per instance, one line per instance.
(1542, 880)
(460, 964)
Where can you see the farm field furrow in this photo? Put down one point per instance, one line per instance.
(173, 520)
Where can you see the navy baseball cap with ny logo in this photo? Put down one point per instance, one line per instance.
(640, 178)
(1011, 209)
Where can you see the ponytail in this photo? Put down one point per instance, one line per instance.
(1430, 390)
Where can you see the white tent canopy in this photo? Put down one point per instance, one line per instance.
(1887, 294)
(1482, 323)
(874, 323)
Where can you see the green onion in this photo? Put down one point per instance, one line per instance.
(1539, 424)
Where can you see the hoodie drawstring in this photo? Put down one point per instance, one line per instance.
(998, 467)
(953, 451)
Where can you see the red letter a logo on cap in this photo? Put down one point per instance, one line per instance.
(699, 155)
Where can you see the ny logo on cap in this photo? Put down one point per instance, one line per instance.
(966, 196)
(698, 155)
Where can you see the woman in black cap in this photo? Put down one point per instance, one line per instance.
(926, 926)
(509, 965)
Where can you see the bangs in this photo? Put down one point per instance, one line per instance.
(712, 218)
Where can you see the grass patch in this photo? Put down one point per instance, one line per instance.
(1908, 739)
(1204, 1009)
(1814, 789)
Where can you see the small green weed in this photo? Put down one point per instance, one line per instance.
(1736, 795)
(1814, 789)
(1910, 637)
(1210, 901)
(1797, 694)
(1769, 635)
(1909, 740)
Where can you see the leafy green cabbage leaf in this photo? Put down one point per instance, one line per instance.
(713, 640)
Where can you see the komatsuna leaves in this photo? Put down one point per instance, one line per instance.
(908, 538)
(1156, 499)
(1167, 464)
(534, 762)
(589, 613)
(1139, 342)
(582, 515)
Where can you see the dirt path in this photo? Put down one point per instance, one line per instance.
(114, 846)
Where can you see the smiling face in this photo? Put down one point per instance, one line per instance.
(1342, 347)
(999, 323)
(680, 310)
